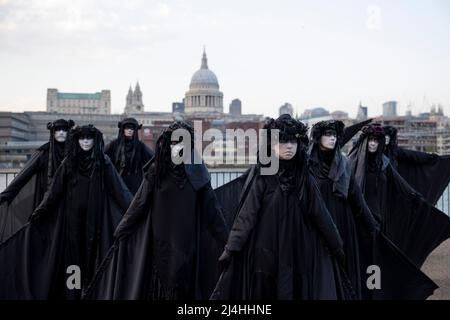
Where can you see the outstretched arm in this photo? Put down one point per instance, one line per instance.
(31, 168)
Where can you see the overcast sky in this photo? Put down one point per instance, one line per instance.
(331, 54)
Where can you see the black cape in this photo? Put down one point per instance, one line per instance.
(33, 261)
(167, 243)
(25, 192)
(129, 160)
(429, 174)
(408, 219)
(281, 253)
(364, 243)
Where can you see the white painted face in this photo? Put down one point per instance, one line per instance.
(128, 132)
(328, 140)
(60, 135)
(285, 151)
(86, 143)
(176, 149)
(373, 145)
(388, 139)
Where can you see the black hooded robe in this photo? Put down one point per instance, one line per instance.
(364, 244)
(26, 191)
(129, 158)
(167, 243)
(279, 244)
(34, 261)
(408, 219)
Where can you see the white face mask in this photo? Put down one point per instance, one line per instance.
(86, 144)
(60, 135)
(128, 132)
(176, 149)
(373, 145)
(286, 151)
(388, 139)
(328, 142)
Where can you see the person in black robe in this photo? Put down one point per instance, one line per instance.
(363, 243)
(72, 227)
(169, 240)
(283, 243)
(412, 223)
(428, 173)
(129, 154)
(230, 193)
(26, 191)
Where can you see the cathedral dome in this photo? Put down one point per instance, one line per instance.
(204, 78)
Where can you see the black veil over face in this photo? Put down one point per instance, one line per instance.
(128, 145)
(75, 154)
(360, 156)
(390, 149)
(57, 150)
(163, 160)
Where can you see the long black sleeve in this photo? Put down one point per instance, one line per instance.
(115, 185)
(139, 207)
(213, 215)
(55, 192)
(31, 168)
(360, 208)
(322, 219)
(247, 216)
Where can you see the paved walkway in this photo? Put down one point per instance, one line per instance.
(437, 267)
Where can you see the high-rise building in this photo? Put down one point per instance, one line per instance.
(390, 109)
(362, 112)
(79, 103)
(236, 107)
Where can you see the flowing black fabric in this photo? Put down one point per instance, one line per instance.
(364, 244)
(408, 219)
(73, 225)
(167, 244)
(351, 131)
(429, 174)
(279, 244)
(129, 158)
(26, 191)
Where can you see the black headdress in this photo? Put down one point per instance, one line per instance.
(359, 155)
(196, 173)
(76, 155)
(57, 150)
(335, 166)
(289, 130)
(319, 129)
(125, 145)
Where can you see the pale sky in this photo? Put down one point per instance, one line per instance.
(329, 54)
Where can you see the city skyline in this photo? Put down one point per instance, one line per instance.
(307, 54)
